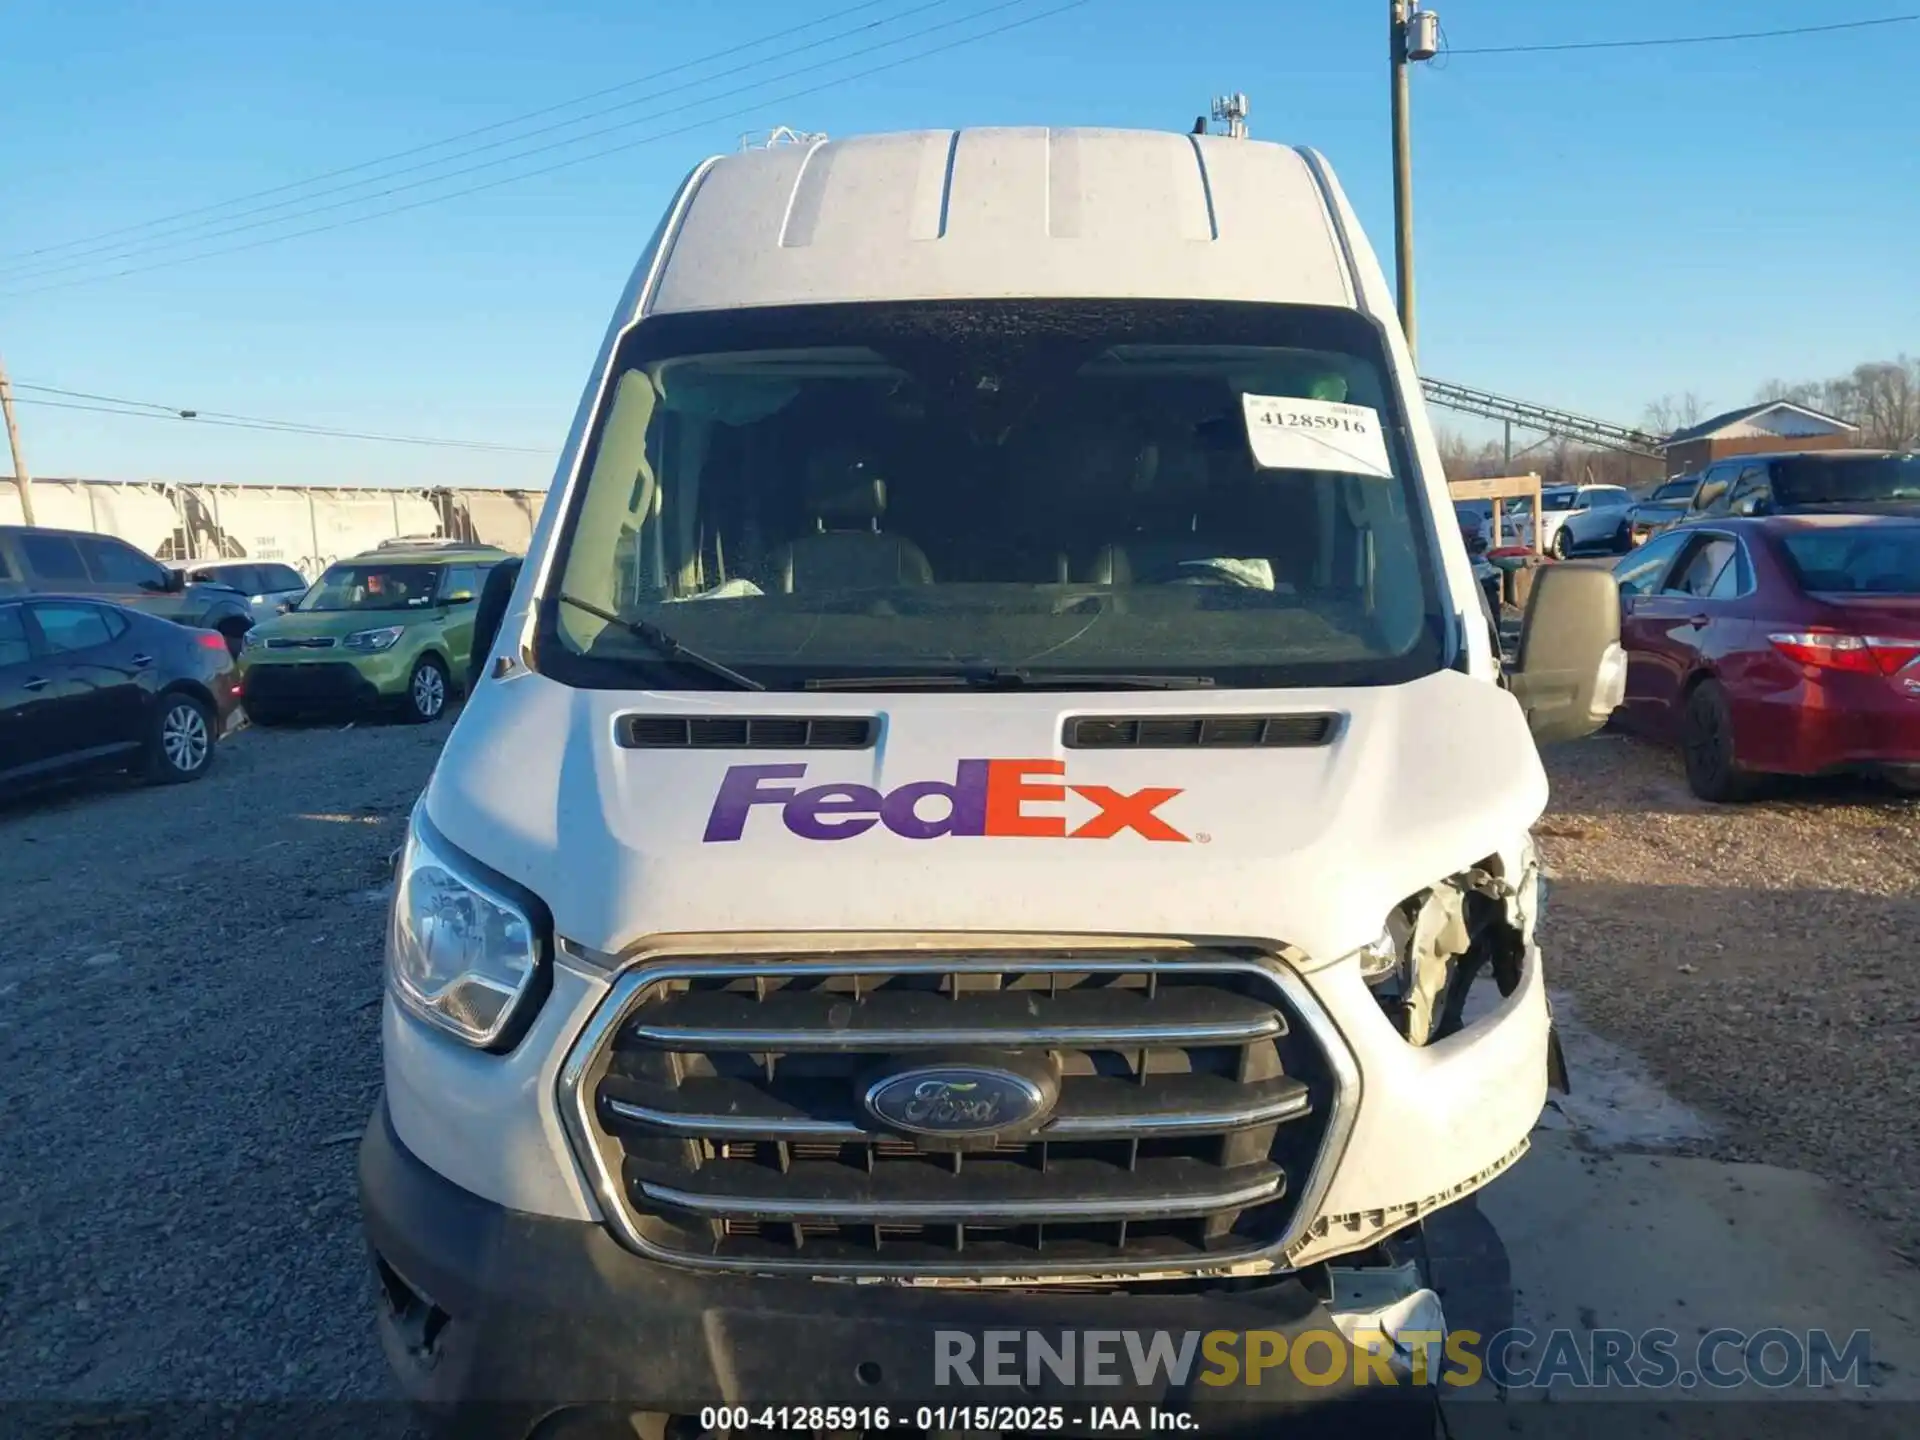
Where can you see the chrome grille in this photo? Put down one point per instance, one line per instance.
(719, 1102)
(313, 642)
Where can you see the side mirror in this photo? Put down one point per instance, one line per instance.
(460, 597)
(285, 607)
(1572, 673)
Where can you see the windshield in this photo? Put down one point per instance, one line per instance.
(919, 489)
(373, 587)
(1551, 500)
(1863, 560)
(1855, 479)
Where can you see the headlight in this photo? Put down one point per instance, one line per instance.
(1380, 959)
(381, 639)
(460, 954)
(1385, 961)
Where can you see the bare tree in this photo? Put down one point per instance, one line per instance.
(1882, 397)
(1886, 402)
(1460, 459)
(1673, 412)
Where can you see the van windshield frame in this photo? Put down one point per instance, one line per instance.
(1036, 626)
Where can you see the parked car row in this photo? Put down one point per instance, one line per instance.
(111, 661)
(1573, 520)
(35, 560)
(1809, 482)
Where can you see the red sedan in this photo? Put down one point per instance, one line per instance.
(1785, 645)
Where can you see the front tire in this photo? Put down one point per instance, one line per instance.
(180, 747)
(1706, 746)
(427, 690)
(1558, 545)
(1623, 540)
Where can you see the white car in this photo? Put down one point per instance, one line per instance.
(1585, 517)
(267, 584)
(965, 818)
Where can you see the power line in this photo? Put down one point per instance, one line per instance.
(83, 256)
(153, 410)
(488, 165)
(1653, 43)
(557, 165)
(422, 149)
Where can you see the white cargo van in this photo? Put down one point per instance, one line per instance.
(993, 787)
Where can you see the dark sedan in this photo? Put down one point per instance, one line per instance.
(1783, 645)
(87, 685)
(1662, 508)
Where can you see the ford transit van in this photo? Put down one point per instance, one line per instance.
(996, 806)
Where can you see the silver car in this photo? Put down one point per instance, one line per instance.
(266, 584)
(1585, 517)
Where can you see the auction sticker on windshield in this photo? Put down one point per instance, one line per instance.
(1288, 434)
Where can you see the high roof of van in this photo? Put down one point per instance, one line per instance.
(1014, 213)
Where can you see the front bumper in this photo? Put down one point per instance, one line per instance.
(362, 680)
(511, 1316)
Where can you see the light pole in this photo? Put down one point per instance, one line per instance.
(1413, 34)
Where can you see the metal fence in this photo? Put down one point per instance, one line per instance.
(307, 528)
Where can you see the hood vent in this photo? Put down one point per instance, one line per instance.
(746, 732)
(1180, 732)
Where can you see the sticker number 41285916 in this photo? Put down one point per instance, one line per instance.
(1290, 434)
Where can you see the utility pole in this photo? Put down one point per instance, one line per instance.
(1413, 34)
(22, 481)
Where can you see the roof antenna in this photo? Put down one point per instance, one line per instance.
(1231, 110)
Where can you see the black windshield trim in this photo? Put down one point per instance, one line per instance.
(659, 336)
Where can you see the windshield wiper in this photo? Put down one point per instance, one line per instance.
(664, 642)
(1003, 677)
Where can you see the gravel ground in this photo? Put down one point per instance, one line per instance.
(1759, 956)
(190, 1036)
(191, 1047)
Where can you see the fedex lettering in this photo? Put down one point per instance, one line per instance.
(985, 797)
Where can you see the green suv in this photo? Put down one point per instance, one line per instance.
(388, 628)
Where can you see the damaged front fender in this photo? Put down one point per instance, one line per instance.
(1469, 924)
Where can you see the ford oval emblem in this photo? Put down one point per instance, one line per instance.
(955, 1100)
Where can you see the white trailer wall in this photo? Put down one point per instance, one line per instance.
(141, 514)
(501, 517)
(307, 528)
(250, 522)
(349, 521)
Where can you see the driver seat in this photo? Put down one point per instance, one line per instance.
(847, 550)
(1169, 484)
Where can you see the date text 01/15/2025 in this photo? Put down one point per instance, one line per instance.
(1119, 1420)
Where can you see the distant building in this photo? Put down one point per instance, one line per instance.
(1755, 429)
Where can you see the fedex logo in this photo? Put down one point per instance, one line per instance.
(985, 797)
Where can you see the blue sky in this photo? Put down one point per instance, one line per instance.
(1594, 229)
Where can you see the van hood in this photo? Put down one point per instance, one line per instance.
(970, 814)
